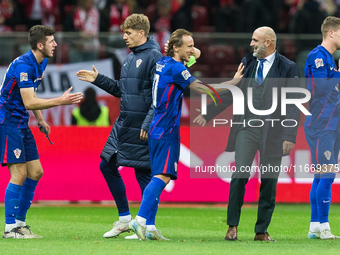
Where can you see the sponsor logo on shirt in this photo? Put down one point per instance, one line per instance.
(17, 153)
(186, 74)
(138, 62)
(23, 77)
(318, 62)
(175, 164)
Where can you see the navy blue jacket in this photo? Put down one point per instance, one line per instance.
(272, 137)
(136, 111)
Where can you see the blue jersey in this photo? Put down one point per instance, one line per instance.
(170, 81)
(322, 81)
(23, 72)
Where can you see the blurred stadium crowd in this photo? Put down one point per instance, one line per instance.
(284, 16)
(90, 19)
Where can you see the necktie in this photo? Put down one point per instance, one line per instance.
(259, 74)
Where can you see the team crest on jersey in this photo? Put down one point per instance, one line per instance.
(159, 67)
(175, 164)
(318, 62)
(328, 155)
(186, 74)
(138, 62)
(23, 77)
(17, 153)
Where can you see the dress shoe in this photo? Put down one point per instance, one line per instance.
(263, 237)
(231, 234)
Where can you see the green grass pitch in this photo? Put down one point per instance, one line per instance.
(79, 230)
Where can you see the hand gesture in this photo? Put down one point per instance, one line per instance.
(86, 75)
(238, 74)
(68, 98)
(200, 120)
(166, 46)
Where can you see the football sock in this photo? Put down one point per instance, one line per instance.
(151, 193)
(140, 220)
(151, 219)
(12, 202)
(26, 197)
(150, 227)
(323, 196)
(9, 227)
(20, 223)
(116, 186)
(125, 218)
(314, 226)
(312, 197)
(324, 226)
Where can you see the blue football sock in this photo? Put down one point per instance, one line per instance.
(323, 196)
(143, 178)
(12, 202)
(151, 193)
(116, 185)
(26, 197)
(151, 219)
(312, 197)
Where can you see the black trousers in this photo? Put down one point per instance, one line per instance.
(248, 142)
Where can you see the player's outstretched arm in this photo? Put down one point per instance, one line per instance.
(200, 120)
(237, 77)
(202, 88)
(111, 86)
(89, 76)
(33, 103)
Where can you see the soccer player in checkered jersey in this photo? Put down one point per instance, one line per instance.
(170, 81)
(322, 128)
(18, 149)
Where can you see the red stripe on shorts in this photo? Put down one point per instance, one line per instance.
(5, 156)
(166, 162)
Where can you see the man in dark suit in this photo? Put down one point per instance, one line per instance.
(271, 139)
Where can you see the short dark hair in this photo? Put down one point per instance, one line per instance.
(37, 34)
(137, 22)
(330, 23)
(176, 39)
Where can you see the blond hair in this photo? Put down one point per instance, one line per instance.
(330, 23)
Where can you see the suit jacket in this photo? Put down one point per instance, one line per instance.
(272, 137)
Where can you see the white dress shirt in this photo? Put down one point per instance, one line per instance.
(266, 64)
